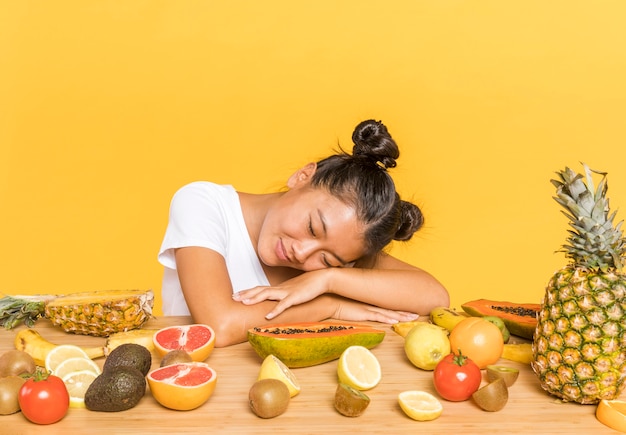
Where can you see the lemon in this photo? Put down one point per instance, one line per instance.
(612, 413)
(274, 368)
(359, 368)
(76, 364)
(77, 384)
(426, 344)
(420, 405)
(62, 352)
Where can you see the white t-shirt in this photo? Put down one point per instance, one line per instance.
(207, 215)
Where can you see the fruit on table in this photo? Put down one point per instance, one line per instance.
(403, 328)
(198, 340)
(268, 398)
(9, 390)
(420, 405)
(174, 357)
(129, 355)
(44, 398)
(359, 368)
(274, 368)
(16, 362)
(350, 401)
(118, 389)
(182, 386)
(31, 342)
(612, 413)
(478, 339)
(519, 352)
(579, 353)
(140, 336)
(77, 384)
(506, 335)
(446, 317)
(426, 344)
(456, 378)
(311, 343)
(508, 374)
(98, 313)
(520, 319)
(493, 396)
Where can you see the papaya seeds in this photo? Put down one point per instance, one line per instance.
(508, 374)
(268, 398)
(350, 401)
(493, 396)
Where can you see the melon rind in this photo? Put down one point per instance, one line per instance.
(297, 351)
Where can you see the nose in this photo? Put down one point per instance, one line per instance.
(302, 250)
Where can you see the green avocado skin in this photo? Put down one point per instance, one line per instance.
(116, 390)
(297, 351)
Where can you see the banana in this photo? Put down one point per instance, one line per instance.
(137, 336)
(31, 342)
(403, 328)
(446, 317)
(520, 352)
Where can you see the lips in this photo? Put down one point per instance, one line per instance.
(280, 251)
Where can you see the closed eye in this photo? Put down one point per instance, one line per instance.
(311, 231)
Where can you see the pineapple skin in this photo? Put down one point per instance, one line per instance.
(579, 345)
(101, 313)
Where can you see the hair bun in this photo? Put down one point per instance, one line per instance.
(372, 140)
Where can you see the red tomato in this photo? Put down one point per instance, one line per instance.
(44, 398)
(456, 377)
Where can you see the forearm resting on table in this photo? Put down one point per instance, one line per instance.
(412, 290)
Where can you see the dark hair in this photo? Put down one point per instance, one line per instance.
(362, 181)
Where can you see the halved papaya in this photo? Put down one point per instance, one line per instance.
(311, 343)
(520, 319)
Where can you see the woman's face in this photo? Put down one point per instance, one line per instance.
(309, 229)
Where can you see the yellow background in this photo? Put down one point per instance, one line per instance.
(108, 107)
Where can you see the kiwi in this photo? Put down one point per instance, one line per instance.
(508, 374)
(9, 391)
(349, 401)
(15, 363)
(269, 398)
(175, 357)
(493, 396)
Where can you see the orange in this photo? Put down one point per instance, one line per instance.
(478, 339)
(612, 413)
(197, 340)
(182, 386)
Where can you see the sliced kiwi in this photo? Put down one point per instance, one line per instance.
(349, 401)
(493, 396)
(508, 374)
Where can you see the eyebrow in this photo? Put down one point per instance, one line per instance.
(323, 221)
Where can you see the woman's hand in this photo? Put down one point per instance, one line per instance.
(295, 291)
(352, 310)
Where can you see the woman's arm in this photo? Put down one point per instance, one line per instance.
(208, 293)
(392, 284)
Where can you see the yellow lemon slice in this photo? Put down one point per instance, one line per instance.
(76, 364)
(359, 368)
(62, 352)
(77, 384)
(420, 405)
(612, 413)
(274, 368)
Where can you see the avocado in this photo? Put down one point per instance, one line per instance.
(129, 355)
(116, 389)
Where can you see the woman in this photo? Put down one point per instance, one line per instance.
(316, 248)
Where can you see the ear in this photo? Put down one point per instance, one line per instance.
(302, 176)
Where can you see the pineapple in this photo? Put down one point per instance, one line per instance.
(579, 345)
(97, 313)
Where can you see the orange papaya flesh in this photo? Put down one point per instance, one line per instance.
(520, 319)
(311, 343)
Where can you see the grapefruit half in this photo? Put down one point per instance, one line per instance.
(182, 386)
(197, 340)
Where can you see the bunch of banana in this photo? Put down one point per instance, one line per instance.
(31, 342)
(446, 317)
(520, 352)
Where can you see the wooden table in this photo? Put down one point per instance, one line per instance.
(529, 410)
